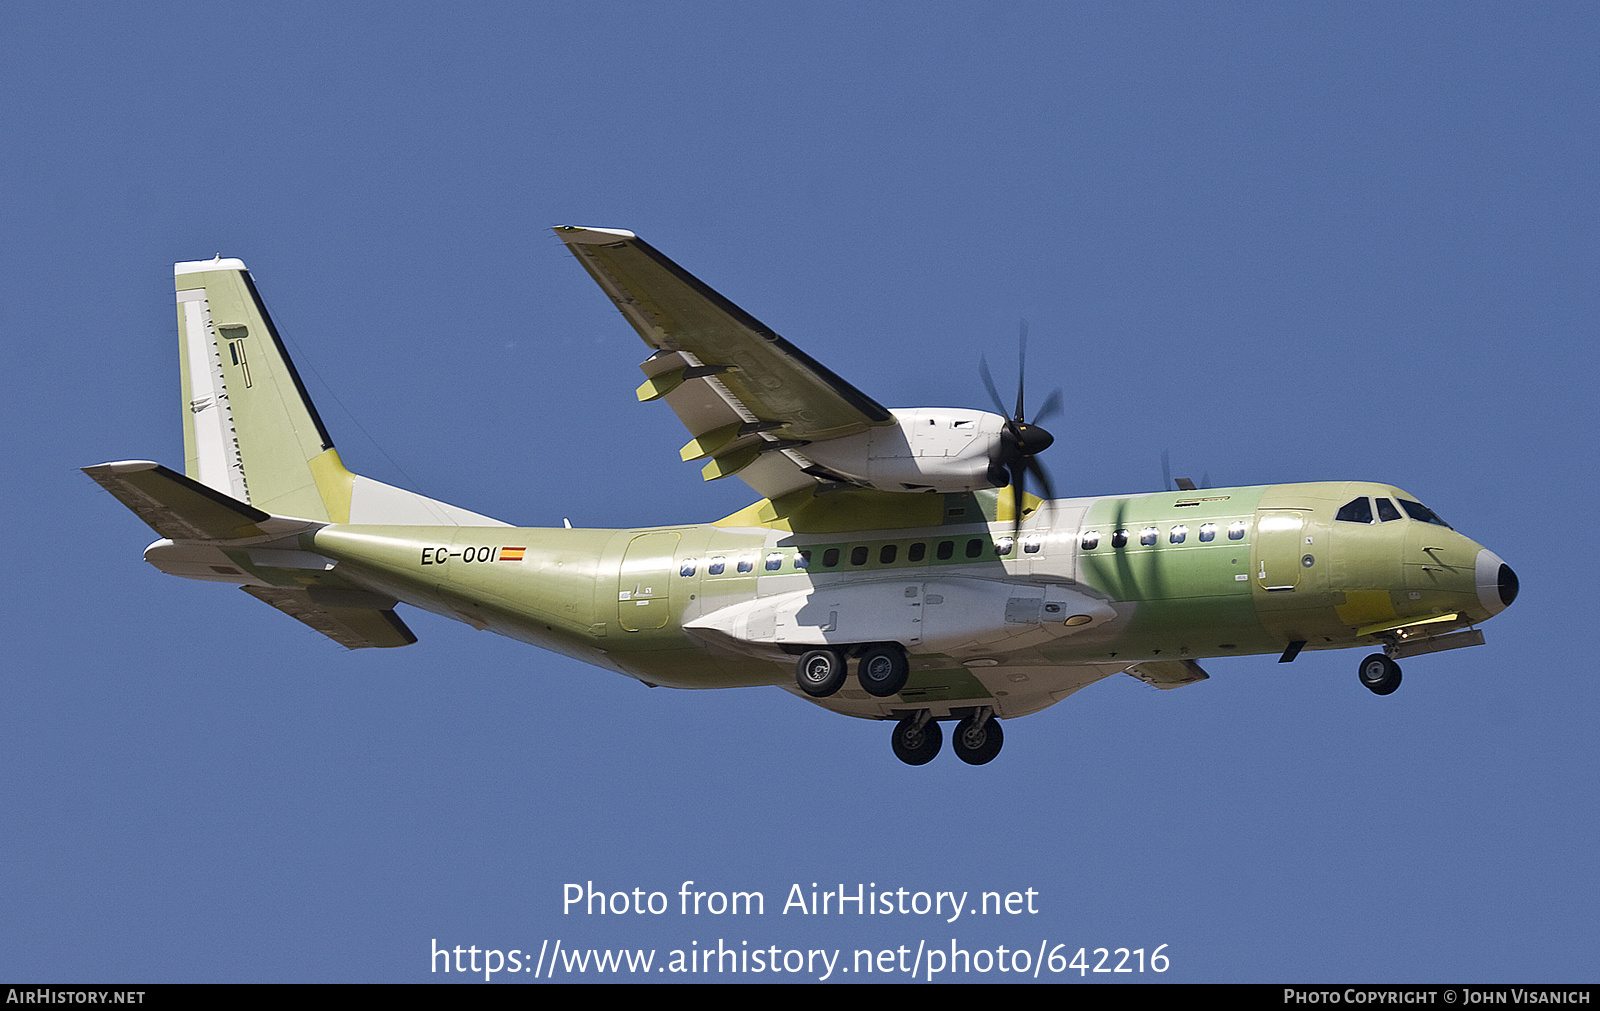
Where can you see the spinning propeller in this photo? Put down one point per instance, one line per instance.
(1020, 440)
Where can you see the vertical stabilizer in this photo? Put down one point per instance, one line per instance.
(249, 429)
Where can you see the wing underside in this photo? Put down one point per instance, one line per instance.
(750, 400)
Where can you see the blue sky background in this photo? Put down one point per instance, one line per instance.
(1283, 242)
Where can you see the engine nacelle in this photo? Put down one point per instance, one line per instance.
(943, 449)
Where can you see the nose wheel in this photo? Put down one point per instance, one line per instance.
(1380, 674)
(916, 739)
(977, 738)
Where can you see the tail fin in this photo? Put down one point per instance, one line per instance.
(250, 430)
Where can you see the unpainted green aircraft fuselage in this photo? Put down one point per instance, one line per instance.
(886, 540)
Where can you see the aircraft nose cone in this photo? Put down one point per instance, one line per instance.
(1497, 583)
(1508, 584)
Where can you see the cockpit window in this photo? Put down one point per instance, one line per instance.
(1387, 511)
(1418, 511)
(1356, 511)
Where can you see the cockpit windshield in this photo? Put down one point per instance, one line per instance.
(1356, 511)
(1418, 511)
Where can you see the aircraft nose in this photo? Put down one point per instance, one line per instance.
(1497, 584)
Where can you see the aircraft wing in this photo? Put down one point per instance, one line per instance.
(750, 399)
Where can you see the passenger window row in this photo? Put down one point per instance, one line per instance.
(1178, 534)
(861, 555)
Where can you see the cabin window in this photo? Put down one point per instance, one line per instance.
(1208, 533)
(1355, 511)
(917, 552)
(974, 548)
(802, 560)
(1030, 545)
(1003, 546)
(1387, 511)
(1119, 539)
(1179, 534)
(947, 550)
(1418, 511)
(1091, 540)
(718, 564)
(858, 555)
(887, 553)
(747, 564)
(687, 568)
(1236, 531)
(830, 557)
(1148, 536)
(774, 561)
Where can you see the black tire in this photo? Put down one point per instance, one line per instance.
(1380, 674)
(883, 669)
(916, 747)
(977, 746)
(820, 673)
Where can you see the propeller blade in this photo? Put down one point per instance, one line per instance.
(988, 384)
(1019, 491)
(1044, 478)
(1022, 368)
(1166, 470)
(1052, 406)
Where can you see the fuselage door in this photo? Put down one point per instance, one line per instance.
(642, 599)
(1279, 536)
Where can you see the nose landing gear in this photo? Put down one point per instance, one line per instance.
(916, 739)
(1380, 674)
(977, 739)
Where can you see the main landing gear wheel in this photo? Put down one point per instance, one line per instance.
(820, 673)
(916, 743)
(1380, 674)
(883, 669)
(978, 738)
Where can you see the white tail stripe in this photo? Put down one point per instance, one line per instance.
(216, 442)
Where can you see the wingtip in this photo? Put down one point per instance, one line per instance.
(579, 235)
(200, 266)
(120, 467)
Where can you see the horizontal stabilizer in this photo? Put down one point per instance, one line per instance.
(175, 506)
(352, 618)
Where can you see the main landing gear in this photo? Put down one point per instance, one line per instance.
(976, 741)
(882, 670)
(1380, 674)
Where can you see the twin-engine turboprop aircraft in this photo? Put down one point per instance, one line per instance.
(901, 543)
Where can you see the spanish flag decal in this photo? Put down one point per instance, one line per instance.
(511, 554)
